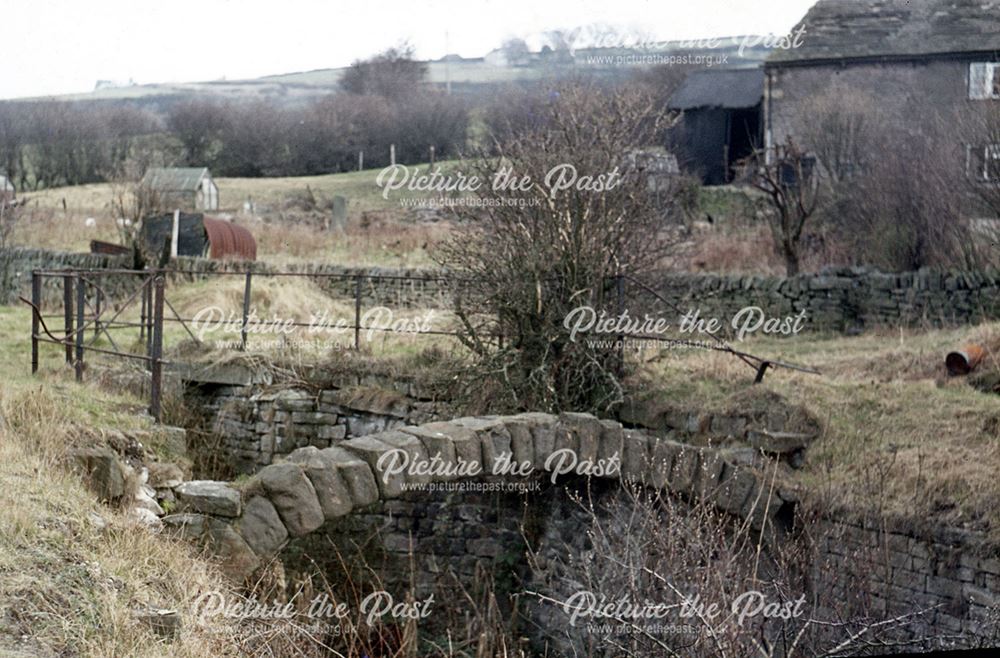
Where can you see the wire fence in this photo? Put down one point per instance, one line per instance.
(91, 310)
(91, 306)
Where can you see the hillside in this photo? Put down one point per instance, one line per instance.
(468, 76)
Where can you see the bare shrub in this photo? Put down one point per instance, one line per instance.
(842, 126)
(531, 256)
(897, 200)
(696, 571)
(908, 209)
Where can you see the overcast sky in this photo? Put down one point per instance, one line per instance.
(63, 46)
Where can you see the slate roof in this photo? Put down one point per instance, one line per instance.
(723, 88)
(848, 29)
(175, 179)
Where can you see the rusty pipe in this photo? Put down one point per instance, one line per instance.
(965, 360)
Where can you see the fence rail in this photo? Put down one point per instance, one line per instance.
(86, 303)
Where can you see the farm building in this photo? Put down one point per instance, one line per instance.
(928, 68)
(184, 188)
(720, 123)
(6, 189)
(199, 236)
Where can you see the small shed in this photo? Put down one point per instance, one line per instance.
(186, 188)
(721, 122)
(7, 191)
(199, 236)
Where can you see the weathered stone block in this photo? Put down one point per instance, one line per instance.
(291, 493)
(357, 475)
(101, 470)
(494, 440)
(685, 471)
(543, 433)
(331, 432)
(416, 455)
(663, 454)
(439, 446)
(331, 490)
(261, 527)
(637, 456)
(736, 484)
(587, 430)
(521, 440)
(370, 449)
(612, 444)
(209, 497)
(238, 561)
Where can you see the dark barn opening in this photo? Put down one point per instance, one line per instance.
(721, 122)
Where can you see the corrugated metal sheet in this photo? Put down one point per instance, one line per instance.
(729, 89)
(175, 179)
(227, 240)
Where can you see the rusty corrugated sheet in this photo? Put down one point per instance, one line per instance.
(101, 247)
(227, 240)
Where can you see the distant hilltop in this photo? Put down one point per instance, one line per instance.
(465, 75)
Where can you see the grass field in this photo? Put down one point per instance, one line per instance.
(74, 573)
(289, 220)
(899, 437)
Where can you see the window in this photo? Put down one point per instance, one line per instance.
(984, 162)
(984, 80)
(991, 162)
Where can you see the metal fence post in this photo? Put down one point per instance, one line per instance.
(36, 301)
(156, 367)
(357, 312)
(68, 315)
(143, 309)
(97, 311)
(246, 313)
(620, 289)
(149, 313)
(80, 302)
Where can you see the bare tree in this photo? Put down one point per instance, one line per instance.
(516, 51)
(131, 202)
(393, 73)
(788, 178)
(533, 253)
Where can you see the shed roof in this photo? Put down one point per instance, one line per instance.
(725, 88)
(5, 184)
(185, 179)
(848, 29)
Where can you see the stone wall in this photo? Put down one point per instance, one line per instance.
(843, 299)
(416, 532)
(952, 576)
(259, 423)
(16, 265)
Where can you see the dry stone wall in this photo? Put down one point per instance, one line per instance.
(260, 424)
(837, 299)
(343, 492)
